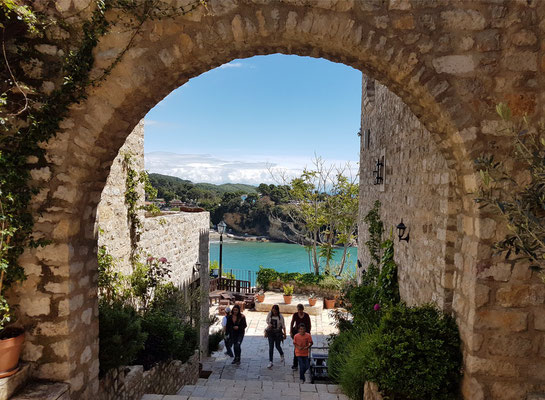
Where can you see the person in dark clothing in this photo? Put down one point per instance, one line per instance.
(300, 317)
(276, 333)
(236, 325)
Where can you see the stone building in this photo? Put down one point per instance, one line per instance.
(175, 236)
(449, 62)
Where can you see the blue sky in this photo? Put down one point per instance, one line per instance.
(235, 122)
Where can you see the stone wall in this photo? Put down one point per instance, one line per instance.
(131, 383)
(177, 237)
(112, 222)
(416, 188)
(172, 235)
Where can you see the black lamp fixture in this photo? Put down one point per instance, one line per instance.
(379, 179)
(221, 230)
(196, 267)
(221, 227)
(401, 228)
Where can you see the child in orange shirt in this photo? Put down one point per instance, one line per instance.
(302, 342)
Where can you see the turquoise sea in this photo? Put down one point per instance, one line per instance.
(241, 256)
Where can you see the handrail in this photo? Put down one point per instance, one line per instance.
(231, 285)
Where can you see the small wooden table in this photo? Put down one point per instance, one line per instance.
(215, 296)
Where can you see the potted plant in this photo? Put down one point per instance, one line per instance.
(330, 303)
(11, 338)
(288, 293)
(312, 300)
(332, 285)
(261, 296)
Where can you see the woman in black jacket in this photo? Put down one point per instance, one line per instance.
(236, 325)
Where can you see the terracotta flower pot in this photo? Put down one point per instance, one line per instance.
(329, 303)
(261, 298)
(10, 350)
(287, 299)
(312, 302)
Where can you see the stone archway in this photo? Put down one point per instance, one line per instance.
(448, 63)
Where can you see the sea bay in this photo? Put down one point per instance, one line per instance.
(241, 256)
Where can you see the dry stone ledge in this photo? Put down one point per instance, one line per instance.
(132, 382)
(13, 383)
(44, 391)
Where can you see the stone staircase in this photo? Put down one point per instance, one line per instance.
(228, 389)
(252, 380)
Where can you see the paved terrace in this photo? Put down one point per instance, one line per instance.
(252, 380)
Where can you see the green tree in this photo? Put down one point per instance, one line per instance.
(323, 213)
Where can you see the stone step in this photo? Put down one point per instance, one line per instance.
(44, 391)
(230, 389)
(11, 384)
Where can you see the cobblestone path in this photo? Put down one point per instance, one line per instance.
(252, 380)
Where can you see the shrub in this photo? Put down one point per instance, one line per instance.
(265, 276)
(167, 338)
(414, 354)
(363, 300)
(120, 335)
(353, 374)
(214, 341)
(145, 279)
(111, 282)
(330, 282)
(309, 279)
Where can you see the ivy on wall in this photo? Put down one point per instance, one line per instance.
(29, 116)
(133, 180)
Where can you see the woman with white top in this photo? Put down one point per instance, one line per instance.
(275, 332)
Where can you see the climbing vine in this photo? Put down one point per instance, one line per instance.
(374, 243)
(30, 116)
(133, 181)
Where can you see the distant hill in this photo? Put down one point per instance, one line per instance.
(228, 187)
(171, 187)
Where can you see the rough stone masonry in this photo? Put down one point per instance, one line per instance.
(448, 61)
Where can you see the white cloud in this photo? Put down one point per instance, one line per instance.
(207, 168)
(161, 124)
(232, 65)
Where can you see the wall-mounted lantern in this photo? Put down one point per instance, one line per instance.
(378, 172)
(196, 267)
(401, 229)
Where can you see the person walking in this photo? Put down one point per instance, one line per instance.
(226, 339)
(236, 326)
(302, 342)
(275, 332)
(300, 317)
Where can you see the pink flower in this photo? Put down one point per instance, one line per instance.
(376, 307)
(150, 259)
(163, 260)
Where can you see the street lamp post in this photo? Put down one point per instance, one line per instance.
(221, 230)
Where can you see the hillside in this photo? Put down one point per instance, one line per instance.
(228, 187)
(171, 187)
